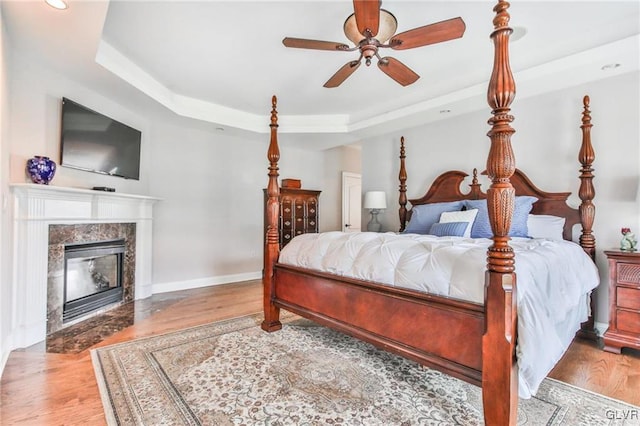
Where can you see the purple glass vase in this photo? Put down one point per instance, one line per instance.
(41, 169)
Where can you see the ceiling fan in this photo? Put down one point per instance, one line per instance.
(369, 28)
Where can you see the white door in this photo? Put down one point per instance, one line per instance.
(351, 201)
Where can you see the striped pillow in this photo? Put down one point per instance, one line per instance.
(448, 229)
(467, 216)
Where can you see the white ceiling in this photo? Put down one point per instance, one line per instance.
(221, 62)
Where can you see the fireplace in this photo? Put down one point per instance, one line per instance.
(54, 216)
(92, 277)
(91, 268)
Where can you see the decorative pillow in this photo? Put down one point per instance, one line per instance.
(545, 226)
(467, 216)
(482, 228)
(425, 215)
(449, 229)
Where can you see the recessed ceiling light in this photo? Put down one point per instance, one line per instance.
(610, 67)
(57, 4)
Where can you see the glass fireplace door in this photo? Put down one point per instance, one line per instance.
(92, 276)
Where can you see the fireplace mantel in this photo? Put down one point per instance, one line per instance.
(38, 206)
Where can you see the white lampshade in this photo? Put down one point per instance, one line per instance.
(375, 200)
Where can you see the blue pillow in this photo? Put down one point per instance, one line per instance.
(519, 227)
(425, 215)
(448, 229)
(482, 228)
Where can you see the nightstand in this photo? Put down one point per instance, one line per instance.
(624, 301)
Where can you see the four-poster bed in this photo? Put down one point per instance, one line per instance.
(472, 341)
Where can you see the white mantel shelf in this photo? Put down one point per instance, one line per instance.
(70, 190)
(35, 207)
(80, 195)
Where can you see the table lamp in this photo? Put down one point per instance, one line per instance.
(374, 201)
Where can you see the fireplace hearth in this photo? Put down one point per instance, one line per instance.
(92, 277)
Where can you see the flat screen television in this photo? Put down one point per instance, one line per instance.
(94, 142)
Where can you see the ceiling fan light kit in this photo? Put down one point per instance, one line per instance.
(371, 28)
(387, 28)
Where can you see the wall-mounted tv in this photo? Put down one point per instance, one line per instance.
(96, 143)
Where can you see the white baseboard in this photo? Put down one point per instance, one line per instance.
(600, 327)
(205, 282)
(5, 350)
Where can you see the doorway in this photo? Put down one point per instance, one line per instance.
(351, 202)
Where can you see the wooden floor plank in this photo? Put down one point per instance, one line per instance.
(39, 388)
(587, 366)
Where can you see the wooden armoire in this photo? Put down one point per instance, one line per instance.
(298, 213)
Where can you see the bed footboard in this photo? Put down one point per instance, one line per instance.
(435, 331)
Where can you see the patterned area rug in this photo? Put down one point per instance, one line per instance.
(233, 373)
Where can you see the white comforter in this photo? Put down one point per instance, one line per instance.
(554, 279)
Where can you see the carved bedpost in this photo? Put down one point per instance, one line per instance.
(402, 199)
(499, 370)
(587, 209)
(272, 247)
(587, 192)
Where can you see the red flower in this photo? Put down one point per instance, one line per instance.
(625, 230)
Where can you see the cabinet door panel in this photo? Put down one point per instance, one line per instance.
(286, 208)
(312, 215)
(299, 215)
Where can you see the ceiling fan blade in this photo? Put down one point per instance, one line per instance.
(342, 74)
(367, 15)
(302, 43)
(429, 34)
(397, 71)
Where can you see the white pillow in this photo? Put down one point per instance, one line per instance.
(545, 226)
(460, 216)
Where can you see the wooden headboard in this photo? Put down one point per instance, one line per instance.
(447, 187)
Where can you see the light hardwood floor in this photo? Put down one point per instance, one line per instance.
(40, 388)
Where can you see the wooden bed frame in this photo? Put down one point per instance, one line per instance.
(470, 341)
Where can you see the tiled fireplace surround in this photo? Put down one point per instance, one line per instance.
(59, 236)
(99, 215)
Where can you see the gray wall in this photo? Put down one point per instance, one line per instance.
(209, 226)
